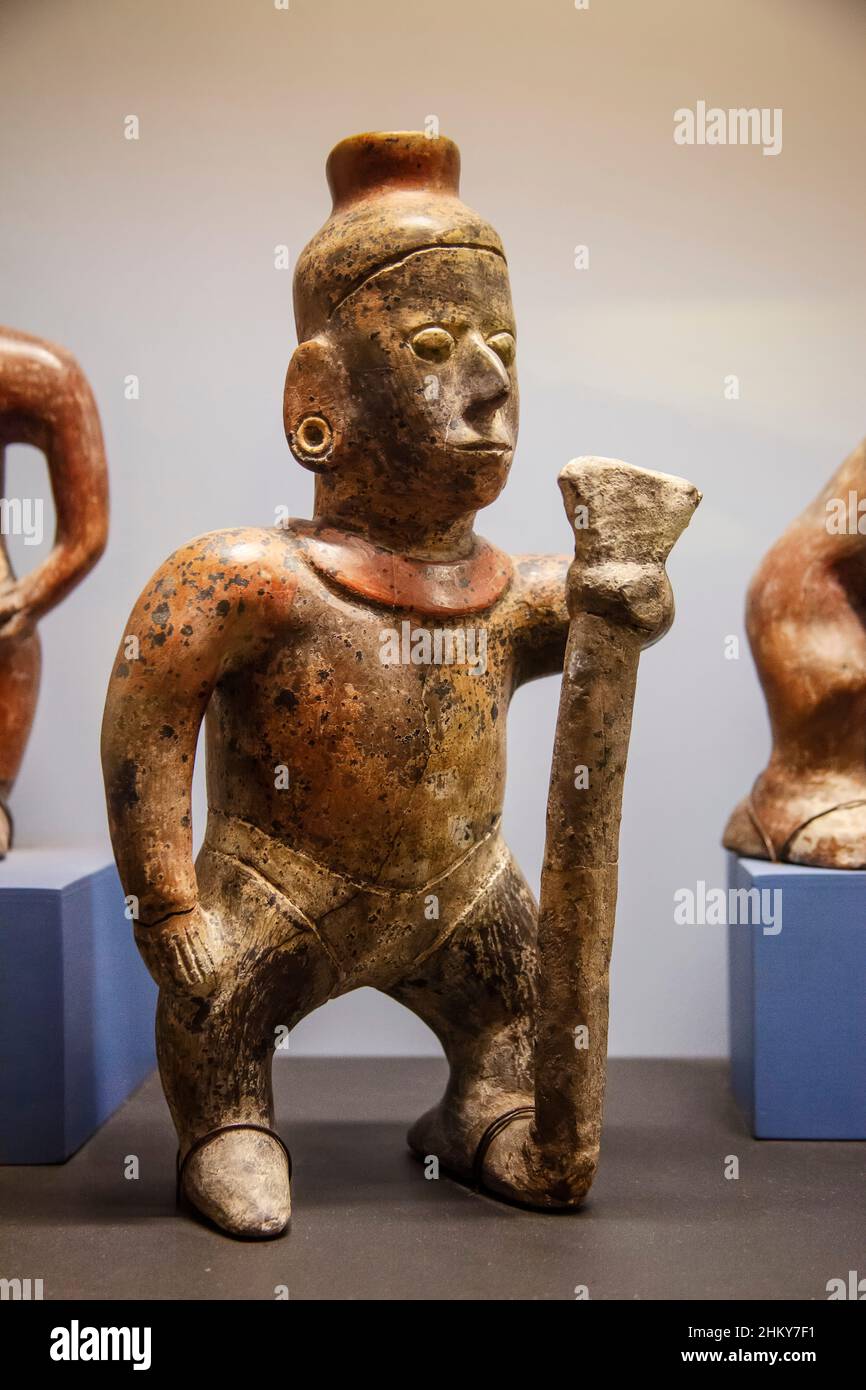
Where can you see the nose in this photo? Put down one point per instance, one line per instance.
(488, 382)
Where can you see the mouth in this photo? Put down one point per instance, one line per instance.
(484, 446)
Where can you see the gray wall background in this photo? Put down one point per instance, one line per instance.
(156, 257)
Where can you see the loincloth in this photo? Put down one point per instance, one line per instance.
(370, 932)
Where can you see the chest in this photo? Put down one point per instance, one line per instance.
(368, 682)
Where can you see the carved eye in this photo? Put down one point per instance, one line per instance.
(504, 346)
(433, 344)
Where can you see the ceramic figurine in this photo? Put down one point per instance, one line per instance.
(44, 401)
(355, 672)
(806, 620)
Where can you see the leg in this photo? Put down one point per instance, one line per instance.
(20, 669)
(477, 994)
(215, 1055)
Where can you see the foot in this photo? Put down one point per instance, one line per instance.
(513, 1167)
(239, 1180)
(741, 835)
(835, 839)
(450, 1132)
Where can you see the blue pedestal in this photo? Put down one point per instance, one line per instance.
(76, 1003)
(798, 1003)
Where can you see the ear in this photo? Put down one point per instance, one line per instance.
(316, 405)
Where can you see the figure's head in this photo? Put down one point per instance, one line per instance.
(402, 391)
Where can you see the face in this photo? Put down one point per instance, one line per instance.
(428, 348)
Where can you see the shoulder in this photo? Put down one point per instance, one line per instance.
(244, 578)
(36, 374)
(247, 549)
(539, 585)
(233, 559)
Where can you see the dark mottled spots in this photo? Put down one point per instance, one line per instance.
(223, 607)
(287, 699)
(186, 630)
(494, 712)
(200, 1017)
(122, 671)
(161, 614)
(324, 675)
(158, 639)
(167, 732)
(122, 792)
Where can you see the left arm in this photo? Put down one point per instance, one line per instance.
(540, 615)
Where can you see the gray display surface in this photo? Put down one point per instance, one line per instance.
(663, 1221)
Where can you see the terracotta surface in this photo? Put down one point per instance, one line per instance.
(806, 620)
(45, 401)
(355, 671)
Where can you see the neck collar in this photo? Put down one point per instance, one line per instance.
(400, 581)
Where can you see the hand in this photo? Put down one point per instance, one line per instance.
(625, 522)
(184, 953)
(628, 595)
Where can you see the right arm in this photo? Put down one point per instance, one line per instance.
(211, 607)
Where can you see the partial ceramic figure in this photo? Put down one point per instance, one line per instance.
(44, 401)
(806, 620)
(356, 672)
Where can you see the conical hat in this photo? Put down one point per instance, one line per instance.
(394, 193)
